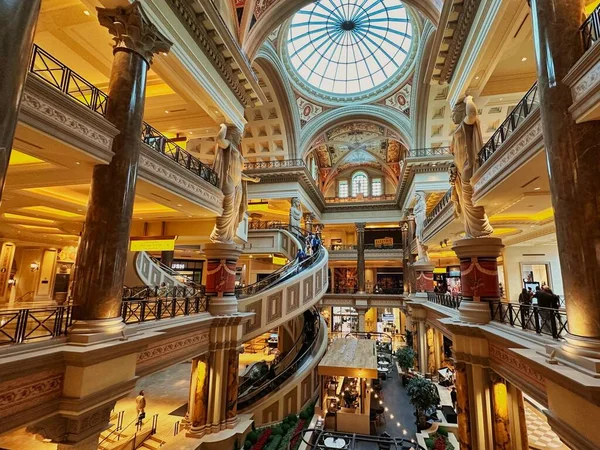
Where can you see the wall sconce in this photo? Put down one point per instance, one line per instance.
(12, 281)
(34, 266)
(444, 243)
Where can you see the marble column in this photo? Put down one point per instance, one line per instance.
(16, 41)
(478, 276)
(423, 278)
(221, 264)
(361, 319)
(360, 249)
(199, 388)
(233, 358)
(405, 253)
(308, 219)
(102, 254)
(500, 413)
(463, 409)
(166, 257)
(572, 155)
(431, 345)
(518, 419)
(412, 279)
(422, 348)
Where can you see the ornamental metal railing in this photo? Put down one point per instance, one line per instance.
(274, 164)
(590, 29)
(31, 324)
(49, 69)
(548, 321)
(360, 199)
(159, 142)
(147, 310)
(393, 246)
(437, 209)
(320, 439)
(427, 152)
(528, 104)
(448, 300)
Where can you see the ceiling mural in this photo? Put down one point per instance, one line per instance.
(400, 99)
(307, 110)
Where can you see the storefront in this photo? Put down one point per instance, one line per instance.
(344, 319)
(191, 268)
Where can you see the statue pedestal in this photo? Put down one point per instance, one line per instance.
(478, 276)
(221, 263)
(424, 278)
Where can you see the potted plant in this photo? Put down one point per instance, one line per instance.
(423, 396)
(406, 360)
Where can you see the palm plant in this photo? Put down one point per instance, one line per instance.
(423, 396)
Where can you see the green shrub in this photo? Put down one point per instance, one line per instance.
(443, 431)
(285, 428)
(277, 431)
(247, 445)
(304, 415)
(274, 443)
(292, 418)
(429, 443)
(270, 438)
(406, 358)
(252, 437)
(253, 426)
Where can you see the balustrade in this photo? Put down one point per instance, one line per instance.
(427, 152)
(451, 301)
(437, 209)
(590, 29)
(548, 321)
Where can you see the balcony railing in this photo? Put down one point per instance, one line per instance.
(426, 152)
(548, 321)
(140, 304)
(361, 199)
(590, 29)
(528, 104)
(451, 301)
(55, 73)
(437, 209)
(274, 164)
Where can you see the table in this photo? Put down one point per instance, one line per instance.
(384, 363)
(331, 442)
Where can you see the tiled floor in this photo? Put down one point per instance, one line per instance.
(539, 433)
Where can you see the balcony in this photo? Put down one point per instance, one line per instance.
(361, 199)
(584, 76)
(342, 252)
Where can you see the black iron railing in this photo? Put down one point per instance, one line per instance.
(425, 152)
(590, 29)
(162, 292)
(396, 245)
(548, 321)
(147, 310)
(528, 104)
(340, 247)
(451, 301)
(55, 73)
(362, 199)
(159, 142)
(437, 209)
(274, 164)
(31, 324)
(319, 438)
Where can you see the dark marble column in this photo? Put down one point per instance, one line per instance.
(360, 249)
(102, 253)
(463, 406)
(412, 279)
(166, 257)
(16, 42)
(572, 154)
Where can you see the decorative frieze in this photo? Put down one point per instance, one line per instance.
(160, 350)
(30, 391)
(516, 365)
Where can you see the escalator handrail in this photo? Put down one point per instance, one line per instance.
(275, 277)
(170, 271)
(246, 385)
(291, 368)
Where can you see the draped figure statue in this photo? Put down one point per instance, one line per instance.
(295, 212)
(466, 144)
(420, 213)
(228, 165)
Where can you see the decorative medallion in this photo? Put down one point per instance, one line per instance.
(308, 110)
(400, 99)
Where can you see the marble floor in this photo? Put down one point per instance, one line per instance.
(539, 433)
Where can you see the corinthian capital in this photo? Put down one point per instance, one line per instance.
(133, 30)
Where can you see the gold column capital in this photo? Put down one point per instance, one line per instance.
(133, 30)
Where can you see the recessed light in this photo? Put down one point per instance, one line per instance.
(524, 59)
(179, 204)
(166, 111)
(80, 210)
(477, 78)
(77, 162)
(86, 12)
(191, 132)
(537, 188)
(164, 53)
(501, 99)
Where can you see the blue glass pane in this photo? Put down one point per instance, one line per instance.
(349, 46)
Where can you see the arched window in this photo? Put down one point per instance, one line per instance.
(360, 184)
(376, 187)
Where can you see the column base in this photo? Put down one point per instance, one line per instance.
(474, 312)
(92, 331)
(582, 354)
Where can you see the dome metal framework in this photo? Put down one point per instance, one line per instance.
(347, 47)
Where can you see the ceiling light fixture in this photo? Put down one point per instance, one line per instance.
(166, 111)
(477, 78)
(523, 59)
(86, 12)
(77, 162)
(501, 99)
(537, 188)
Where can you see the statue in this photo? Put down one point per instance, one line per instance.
(295, 212)
(420, 213)
(228, 165)
(466, 143)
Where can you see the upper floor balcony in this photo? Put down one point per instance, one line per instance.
(340, 252)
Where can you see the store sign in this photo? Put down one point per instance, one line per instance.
(388, 317)
(178, 266)
(280, 261)
(384, 242)
(155, 244)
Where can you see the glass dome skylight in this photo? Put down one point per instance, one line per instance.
(349, 47)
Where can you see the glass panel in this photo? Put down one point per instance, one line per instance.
(376, 187)
(343, 189)
(360, 184)
(349, 46)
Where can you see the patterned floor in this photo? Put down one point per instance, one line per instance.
(539, 433)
